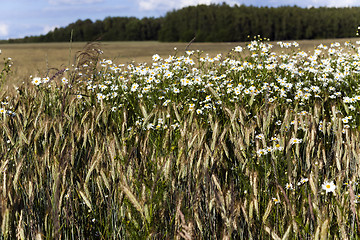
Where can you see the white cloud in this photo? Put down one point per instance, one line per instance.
(148, 5)
(73, 2)
(4, 30)
(342, 3)
(48, 28)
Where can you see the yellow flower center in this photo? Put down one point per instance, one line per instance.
(328, 186)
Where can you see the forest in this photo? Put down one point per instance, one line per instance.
(213, 23)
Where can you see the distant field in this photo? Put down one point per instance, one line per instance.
(36, 58)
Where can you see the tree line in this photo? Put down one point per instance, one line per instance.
(214, 23)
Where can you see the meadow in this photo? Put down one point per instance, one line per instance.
(39, 59)
(259, 142)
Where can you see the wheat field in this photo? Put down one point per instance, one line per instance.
(260, 142)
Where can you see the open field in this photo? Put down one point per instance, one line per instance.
(259, 144)
(35, 59)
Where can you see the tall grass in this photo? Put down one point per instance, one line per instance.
(191, 147)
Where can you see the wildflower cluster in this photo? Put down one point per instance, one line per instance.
(276, 147)
(252, 76)
(6, 109)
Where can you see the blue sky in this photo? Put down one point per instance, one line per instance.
(19, 18)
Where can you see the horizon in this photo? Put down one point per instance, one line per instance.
(20, 19)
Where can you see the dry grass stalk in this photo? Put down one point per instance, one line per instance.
(324, 230)
(272, 233)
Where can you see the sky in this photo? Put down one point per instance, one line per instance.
(20, 18)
